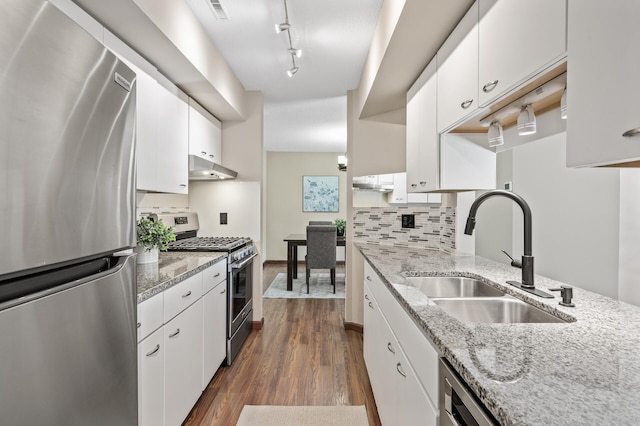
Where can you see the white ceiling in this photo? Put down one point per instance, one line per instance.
(308, 111)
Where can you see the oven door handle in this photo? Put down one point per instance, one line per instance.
(244, 262)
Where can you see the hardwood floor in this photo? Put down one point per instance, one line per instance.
(302, 356)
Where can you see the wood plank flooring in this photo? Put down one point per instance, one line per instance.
(302, 356)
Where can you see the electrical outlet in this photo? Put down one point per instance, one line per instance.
(408, 221)
(223, 218)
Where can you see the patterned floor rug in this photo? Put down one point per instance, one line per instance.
(319, 287)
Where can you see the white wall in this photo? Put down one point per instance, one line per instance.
(629, 255)
(575, 216)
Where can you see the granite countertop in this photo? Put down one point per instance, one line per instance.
(172, 267)
(581, 372)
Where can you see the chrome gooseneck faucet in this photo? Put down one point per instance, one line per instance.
(527, 257)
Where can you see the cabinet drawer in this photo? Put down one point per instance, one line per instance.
(180, 296)
(150, 314)
(214, 275)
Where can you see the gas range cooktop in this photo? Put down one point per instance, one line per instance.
(226, 244)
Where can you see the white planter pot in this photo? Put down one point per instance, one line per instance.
(145, 256)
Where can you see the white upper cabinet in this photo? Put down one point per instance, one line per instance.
(161, 125)
(173, 139)
(517, 40)
(205, 134)
(458, 72)
(422, 132)
(603, 83)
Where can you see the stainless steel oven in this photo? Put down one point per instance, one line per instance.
(240, 297)
(458, 405)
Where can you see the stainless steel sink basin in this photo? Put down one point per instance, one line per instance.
(453, 287)
(505, 309)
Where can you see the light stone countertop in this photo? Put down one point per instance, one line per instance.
(585, 372)
(172, 268)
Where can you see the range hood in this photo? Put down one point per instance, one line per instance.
(369, 186)
(202, 169)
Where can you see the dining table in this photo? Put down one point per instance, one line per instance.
(293, 242)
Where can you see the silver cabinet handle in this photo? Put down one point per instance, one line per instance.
(175, 333)
(224, 290)
(390, 348)
(413, 185)
(204, 152)
(399, 368)
(183, 185)
(139, 324)
(216, 275)
(187, 294)
(368, 278)
(366, 296)
(423, 183)
(632, 132)
(489, 86)
(156, 349)
(211, 155)
(466, 104)
(371, 305)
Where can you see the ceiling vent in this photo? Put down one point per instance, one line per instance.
(218, 9)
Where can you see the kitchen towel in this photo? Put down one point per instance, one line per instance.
(274, 415)
(319, 287)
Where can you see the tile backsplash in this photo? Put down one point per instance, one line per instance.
(434, 227)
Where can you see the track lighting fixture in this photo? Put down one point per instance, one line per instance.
(526, 121)
(495, 134)
(295, 53)
(282, 27)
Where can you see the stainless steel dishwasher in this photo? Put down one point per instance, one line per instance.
(458, 405)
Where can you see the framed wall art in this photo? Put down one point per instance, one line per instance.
(320, 194)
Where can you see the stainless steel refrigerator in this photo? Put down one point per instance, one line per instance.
(67, 206)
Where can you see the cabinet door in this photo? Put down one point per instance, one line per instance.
(603, 84)
(413, 405)
(422, 134)
(183, 364)
(214, 336)
(517, 40)
(151, 380)
(205, 134)
(146, 131)
(173, 141)
(458, 72)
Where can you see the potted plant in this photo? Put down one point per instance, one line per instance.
(341, 225)
(152, 236)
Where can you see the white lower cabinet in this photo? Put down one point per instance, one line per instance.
(151, 380)
(401, 394)
(214, 337)
(183, 363)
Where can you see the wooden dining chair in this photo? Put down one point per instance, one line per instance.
(321, 251)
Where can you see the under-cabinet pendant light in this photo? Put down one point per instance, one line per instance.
(495, 134)
(526, 121)
(563, 104)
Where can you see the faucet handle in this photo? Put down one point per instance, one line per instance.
(566, 292)
(514, 262)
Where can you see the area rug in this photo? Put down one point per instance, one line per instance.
(319, 287)
(275, 415)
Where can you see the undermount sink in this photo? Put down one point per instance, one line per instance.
(453, 287)
(504, 310)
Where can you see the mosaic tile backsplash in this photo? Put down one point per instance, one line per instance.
(435, 227)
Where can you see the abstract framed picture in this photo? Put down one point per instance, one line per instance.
(320, 194)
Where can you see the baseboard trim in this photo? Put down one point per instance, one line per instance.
(257, 325)
(352, 326)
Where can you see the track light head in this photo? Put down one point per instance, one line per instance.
(526, 121)
(296, 52)
(292, 71)
(563, 105)
(282, 27)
